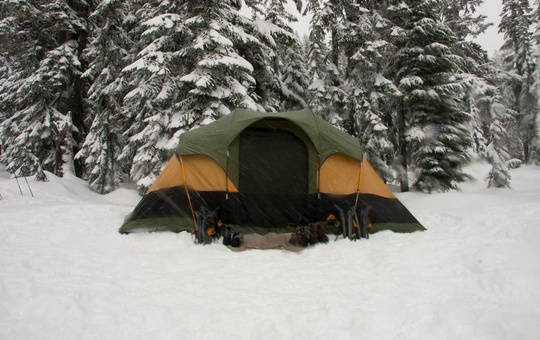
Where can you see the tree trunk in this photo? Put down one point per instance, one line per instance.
(402, 147)
(77, 111)
(75, 103)
(335, 52)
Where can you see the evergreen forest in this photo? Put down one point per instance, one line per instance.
(104, 89)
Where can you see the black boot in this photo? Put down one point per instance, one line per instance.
(299, 237)
(313, 233)
(228, 236)
(237, 239)
(321, 233)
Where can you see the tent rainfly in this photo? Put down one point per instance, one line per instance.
(268, 172)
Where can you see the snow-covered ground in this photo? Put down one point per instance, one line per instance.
(66, 273)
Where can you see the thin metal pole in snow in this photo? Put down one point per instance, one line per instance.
(31, 193)
(17, 179)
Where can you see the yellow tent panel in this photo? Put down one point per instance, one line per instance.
(197, 172)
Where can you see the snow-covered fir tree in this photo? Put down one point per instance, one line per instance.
(190, 70)
(271, 25)
(462, 17)
(289, 60)
(327, 95)
(263, 59)
(152, 79)
(364, 38)
(316, 47)
(490, 116)
(518, 56)
(401, 75)
(5, 71)
(432, 118)
(536, 78)
(316, 58)
(44, 99)
(219, 77)
(294, 81)
(371, 95)
(107, 54)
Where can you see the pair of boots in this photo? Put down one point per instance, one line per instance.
(232, 238)
(316, 233)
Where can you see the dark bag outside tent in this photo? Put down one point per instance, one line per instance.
(267, 172)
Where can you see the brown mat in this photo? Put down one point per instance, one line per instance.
(268, 241)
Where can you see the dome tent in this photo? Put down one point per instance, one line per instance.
(267, 172)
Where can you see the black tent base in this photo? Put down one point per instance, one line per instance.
(166, 210)
(178, 224)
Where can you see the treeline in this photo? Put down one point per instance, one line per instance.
(105, 88)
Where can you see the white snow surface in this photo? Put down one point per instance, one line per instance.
(66, 272)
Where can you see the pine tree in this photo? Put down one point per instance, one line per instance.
(5, 72)
(287, 63)
(517, 51)
(152, 79)
(270, 24)
(108, 54)
(220, 78)
(536, 77)
(328, 97)
(317, 62)
(490, 116)
(462, 17)
(44, 98)
(491, 119)
(293, 80)
(316, 45)
(432, 120)
(189, 71)
(371, 95)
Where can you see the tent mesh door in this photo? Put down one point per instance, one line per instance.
(272, 162)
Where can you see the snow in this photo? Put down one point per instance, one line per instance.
(66, 273)
(381, 81)
(151, 61)
(211, 38)
(411, 81)
(165, 20)
(234, 60)
(267, 29)
(416, 134)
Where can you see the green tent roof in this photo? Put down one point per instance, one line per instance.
(214, 139)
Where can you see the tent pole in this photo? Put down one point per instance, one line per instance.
(187, 193)
(225, 206)
(318, 206)
(318, 177)
(227, 177)
(359, 183)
